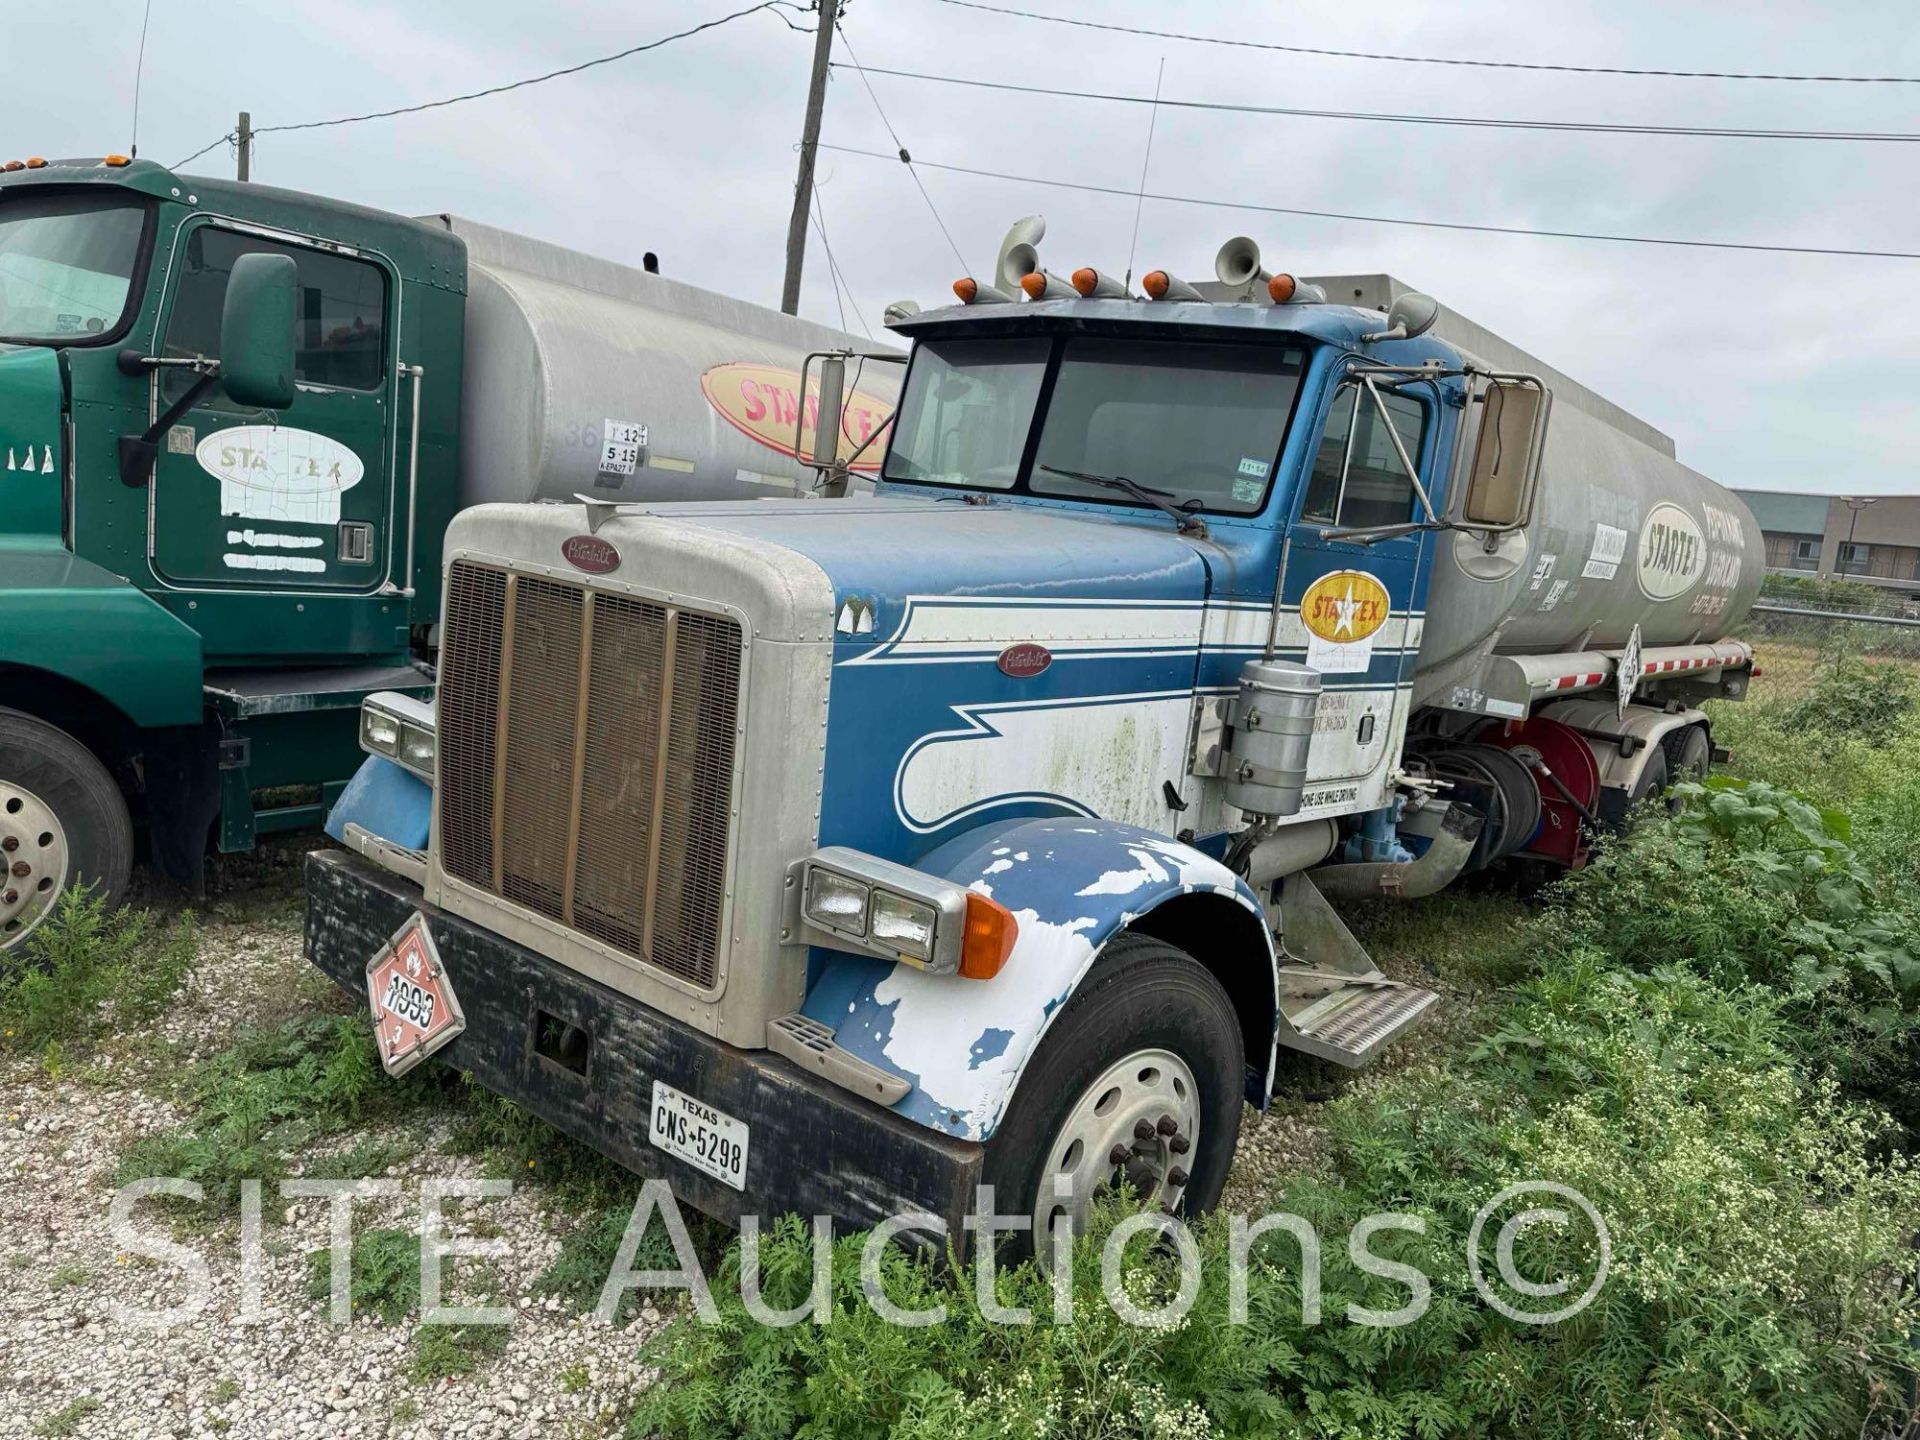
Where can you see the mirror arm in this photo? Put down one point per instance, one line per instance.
(1400, 449)
(137, 452)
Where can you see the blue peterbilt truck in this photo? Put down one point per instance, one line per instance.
(838, 855)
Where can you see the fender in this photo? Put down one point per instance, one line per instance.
(1620, 772)
(69, 617)
(1073, 884)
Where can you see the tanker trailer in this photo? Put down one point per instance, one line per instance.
(1559, 659)
(587, 377)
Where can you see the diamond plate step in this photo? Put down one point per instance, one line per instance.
(1350, 1026)
(811, 1045)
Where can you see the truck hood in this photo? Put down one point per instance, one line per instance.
(30, 460)
(887, 558)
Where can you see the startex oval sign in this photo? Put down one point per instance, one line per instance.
(1673, 552)
(1345, 607)
(763, 401)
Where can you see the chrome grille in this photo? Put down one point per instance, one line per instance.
(587, 760)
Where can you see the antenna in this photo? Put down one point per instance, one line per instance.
(1140, 197)
(139, 68)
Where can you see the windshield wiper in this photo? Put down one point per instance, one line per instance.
(1145, 494)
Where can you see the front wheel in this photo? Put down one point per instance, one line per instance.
(63, 822)
(1137, 1087)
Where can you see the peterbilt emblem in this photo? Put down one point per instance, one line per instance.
(590, 553)
(1025, 660)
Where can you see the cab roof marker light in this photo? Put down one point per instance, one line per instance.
(116, 161)
(36, 162)
(972, 292)
(1281, 288)
(1043, 285)
(15, 165)
(1160, 285)
(1095, 286)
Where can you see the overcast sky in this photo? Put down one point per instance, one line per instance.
(1771, 371)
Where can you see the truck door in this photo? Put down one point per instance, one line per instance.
(296, 499)
(1354, 610)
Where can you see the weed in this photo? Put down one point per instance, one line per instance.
(385, 1274)
(66, 1420)
(587, 1252)
(441, 1351)
(85, 968)
(65, 1277)
(224, 1391)
(574, 1379)
(406, 1412)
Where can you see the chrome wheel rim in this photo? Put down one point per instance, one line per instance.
(1135, 1129)
(34, 862)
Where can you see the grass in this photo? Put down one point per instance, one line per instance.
(385, 1266)
(65, 1277)
(66, 1420)
(224, 1391)
(443, 1351)
(1710, 1033)
(84, 970)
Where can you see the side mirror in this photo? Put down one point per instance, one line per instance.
(1412, 314)
(1506, 453)
(256, 331)
(826, 422)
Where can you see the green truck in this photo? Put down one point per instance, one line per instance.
(234, 424)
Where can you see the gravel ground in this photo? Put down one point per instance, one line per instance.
(69, 1367)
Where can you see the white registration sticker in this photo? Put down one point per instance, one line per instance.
(710, 1140)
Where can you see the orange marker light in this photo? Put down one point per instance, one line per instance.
(1085, 278)
(1281, 288)
(1155, 283)
(1035, 285)
(34, 162)
(966, 287)
(988, 939)
(116, 160)
(15, 165)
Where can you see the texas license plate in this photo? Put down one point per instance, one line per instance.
(415, 1011)
(710, 1140)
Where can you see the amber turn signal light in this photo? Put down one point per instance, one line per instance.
(1281, 288)
(988, 941)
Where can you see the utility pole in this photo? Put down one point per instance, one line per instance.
(809, 144)
(243, 137)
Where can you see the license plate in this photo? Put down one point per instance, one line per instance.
(415, 1011)
(710, 1140)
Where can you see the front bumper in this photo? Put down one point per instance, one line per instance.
(815, 1149)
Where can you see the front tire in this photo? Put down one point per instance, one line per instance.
(63, 822)
(1138, 1083)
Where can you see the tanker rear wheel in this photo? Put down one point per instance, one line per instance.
(1652, 781)
(1689, 753)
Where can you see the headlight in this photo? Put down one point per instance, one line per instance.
(903, 924)
(399, 728)
(836, 901)
(859, 902)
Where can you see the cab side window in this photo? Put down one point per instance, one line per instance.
(1367, 484)
(339, 315)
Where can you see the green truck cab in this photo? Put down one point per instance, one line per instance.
(229, 431)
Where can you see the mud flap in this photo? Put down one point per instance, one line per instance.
(1334, 1001)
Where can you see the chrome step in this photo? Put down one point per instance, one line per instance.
(811, 1045)
(1349, 1027)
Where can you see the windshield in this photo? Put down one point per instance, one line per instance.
(66, 265)
(1202, 421)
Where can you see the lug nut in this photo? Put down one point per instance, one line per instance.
(12, 897)
(1119, 1155)
(1179, 1144)
(22, 869)
(1168, 1125)
(1143, 1130)
(1176, 1177)
(10, 844)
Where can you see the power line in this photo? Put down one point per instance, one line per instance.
(1428, 59)
(840, 284)
(769, 5)
(1394, 220)
(225, 139)
(904, 158)
(1468, 121)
